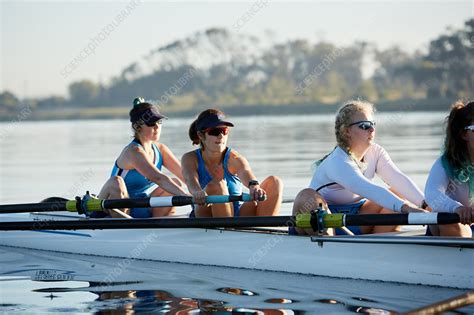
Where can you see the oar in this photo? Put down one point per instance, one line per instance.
(302, 221)
(445, 305)
(118, 213)
(87, 203)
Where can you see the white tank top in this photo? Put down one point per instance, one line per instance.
(340, 180)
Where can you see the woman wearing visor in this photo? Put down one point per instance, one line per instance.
(216, 169)
(137, 170)
(450, 185)
(343, 179)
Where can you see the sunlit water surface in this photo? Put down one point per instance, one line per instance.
(66, 158)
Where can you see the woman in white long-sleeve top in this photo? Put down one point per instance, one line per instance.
(450, 185)
(344, 178)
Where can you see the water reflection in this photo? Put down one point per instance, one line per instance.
(128, 302)
(280, 301)
(236, 291)
(329, 301)
(119, 302)
(370, 310)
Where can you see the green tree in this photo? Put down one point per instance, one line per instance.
(453, 58)
(8, 101)
(84, 93)
(51, 102)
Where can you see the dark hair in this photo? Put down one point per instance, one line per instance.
(455, 147)
(136, 110)
(193, 132)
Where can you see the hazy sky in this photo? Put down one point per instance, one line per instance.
(39, 40)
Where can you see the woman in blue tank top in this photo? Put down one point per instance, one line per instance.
(216, 169)
(137, 170)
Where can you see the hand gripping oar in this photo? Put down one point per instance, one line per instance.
(317, 221)
(88, 203)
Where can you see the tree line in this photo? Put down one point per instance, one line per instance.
(296, 72)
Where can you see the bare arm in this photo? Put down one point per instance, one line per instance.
(170, 161)
(191, 177)
(138, 160)
(242, 167)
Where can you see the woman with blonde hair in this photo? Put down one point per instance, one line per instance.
(450, 184)
(216, 169)
(343, 179)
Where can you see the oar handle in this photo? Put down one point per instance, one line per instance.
(174, 201)
(223, 199)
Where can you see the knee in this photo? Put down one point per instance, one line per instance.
(274, 181)
(455, 230)
(217, 188)
(118, 184)
(117, 181)
(307, 200)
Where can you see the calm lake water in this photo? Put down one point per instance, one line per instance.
(66, 158)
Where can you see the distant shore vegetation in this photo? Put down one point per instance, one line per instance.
(294, 75)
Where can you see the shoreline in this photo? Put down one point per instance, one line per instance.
(243, 110)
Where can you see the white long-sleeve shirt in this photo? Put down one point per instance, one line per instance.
(444, 194)
(351, 184)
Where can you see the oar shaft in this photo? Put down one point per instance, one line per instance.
(402, 219)
(108, 224)
(170, 201)
(331, 221)
(92, 204)
(34, 207)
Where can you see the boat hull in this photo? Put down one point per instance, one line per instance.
(448, 265)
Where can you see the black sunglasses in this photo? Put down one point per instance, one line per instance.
(158, 122)
(364, 124)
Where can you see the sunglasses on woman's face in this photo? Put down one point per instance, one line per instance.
(471, 128)
(158, 122)
(217, 131)
(364, 124)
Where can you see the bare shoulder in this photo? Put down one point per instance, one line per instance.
(236, 160)
(129, 155)
(189, 157)
(132, 149)
(235, 155)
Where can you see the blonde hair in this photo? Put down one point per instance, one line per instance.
(344, 119)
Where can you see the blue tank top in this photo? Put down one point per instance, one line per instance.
(234, 185)
(138, 185)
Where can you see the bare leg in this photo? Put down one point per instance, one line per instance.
(114, 188)
(273, 186)
(370, 207)
(216, 210)
(160, 192)
(305, 201)
(454, 230)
